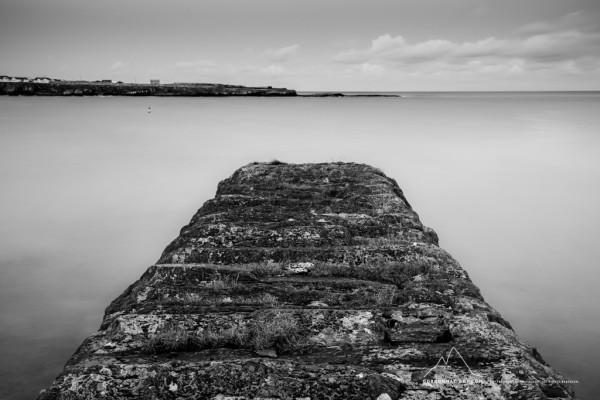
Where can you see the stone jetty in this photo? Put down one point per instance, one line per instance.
(305, 281)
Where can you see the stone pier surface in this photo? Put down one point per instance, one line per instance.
(305, 281)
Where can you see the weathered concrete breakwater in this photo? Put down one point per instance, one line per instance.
(67, 88)
(308, 281)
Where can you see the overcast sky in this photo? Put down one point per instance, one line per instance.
(309, 44)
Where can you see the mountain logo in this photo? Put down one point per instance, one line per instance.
(446, 360)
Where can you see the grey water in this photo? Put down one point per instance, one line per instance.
(93, 189)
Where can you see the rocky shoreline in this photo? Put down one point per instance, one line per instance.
(305, 281)
(340, 94)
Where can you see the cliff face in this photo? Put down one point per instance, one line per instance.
(313, 281)
(65, 88)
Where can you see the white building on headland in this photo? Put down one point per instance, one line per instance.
(13, 79)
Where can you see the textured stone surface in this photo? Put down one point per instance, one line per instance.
(311, 281)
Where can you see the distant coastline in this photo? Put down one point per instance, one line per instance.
(19, 86)
(44, 86)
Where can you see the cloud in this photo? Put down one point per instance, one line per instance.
(281, 55)
(576, 20)
(196, 71)
(217, 72)
(534, 47)
(273, 70)
(559, 46)
(195, 64)
(117, 65)
(204, 70)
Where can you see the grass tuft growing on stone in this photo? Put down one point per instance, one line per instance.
(276, 162)
(384, 296)
(281, 332)
(278, 331)
(170, 339)
(223, 281)
(394, 272)
(265, 269)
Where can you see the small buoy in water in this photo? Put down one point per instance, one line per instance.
(149, 110)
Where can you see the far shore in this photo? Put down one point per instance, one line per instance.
(19, 86)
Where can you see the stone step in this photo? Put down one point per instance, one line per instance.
(184, 251)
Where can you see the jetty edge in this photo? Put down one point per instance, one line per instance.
(305, 281)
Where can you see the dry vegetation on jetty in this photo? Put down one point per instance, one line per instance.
(305, 281)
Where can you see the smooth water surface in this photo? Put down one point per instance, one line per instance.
(93, 189)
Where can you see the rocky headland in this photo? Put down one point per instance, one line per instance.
(305, 281)
(42, 86)
(86, 88)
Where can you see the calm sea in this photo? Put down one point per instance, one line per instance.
(93, 189)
